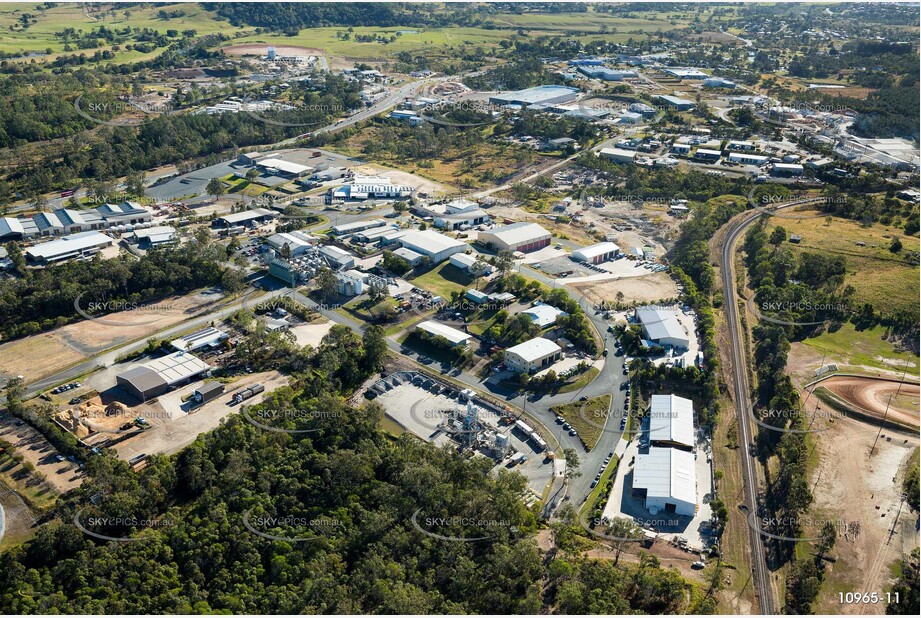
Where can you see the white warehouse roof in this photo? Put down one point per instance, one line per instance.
(543, 315)
(68, 245)
(593, 251)
(429, 243)
(517, 233)
(666, 473)
(456, 337)
(535, 349)
(671, 419)
(282, 166)
(660, 323)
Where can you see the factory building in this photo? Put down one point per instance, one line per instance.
(705, 154)
(247, 218)
(83, 244)
(370, 187)
(437, 247)
(206, 338)
(597, 253)
(666, 480)
(617, 155)
(158, 376)
(522, 236)
(455, 337)
(544, 315)
(748, 159)
(606, 74)
(660, 325)
(298, 242)
(671, 422)
(532, 355)
(155, 236)
(357, 226)
(540, 95)
(718, 82)
(337, 258)
(787, 169)
(458, 214)
(280, 167)
(465, 262)
(685, 73)
(682, 105)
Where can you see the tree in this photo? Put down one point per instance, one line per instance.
(896, 245)
(135, 184)
(374, 342)
(778, 236)
(622, 531)
(326, 282)
(252, 174)
(477, 270)
(504, 261)
(572, 464)
(377, 290)
(215, 188)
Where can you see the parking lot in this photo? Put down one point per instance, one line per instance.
(421, 408)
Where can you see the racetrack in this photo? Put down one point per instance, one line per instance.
(871, 396)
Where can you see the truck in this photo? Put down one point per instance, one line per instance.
(247, 393)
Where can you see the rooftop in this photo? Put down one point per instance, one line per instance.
(660, 323)
(518, 232)
(666, 473)
(671, 419)
(534, 349)
(453, 335)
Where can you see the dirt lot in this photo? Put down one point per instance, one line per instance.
(259, 49)
(62, 476)
(174, 428)
(400, 177)
(36, 357)
(873, 396)
(852, 486)
(644, 289)
(45, 354)
(311, 334)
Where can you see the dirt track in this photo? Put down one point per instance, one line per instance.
(871, 396)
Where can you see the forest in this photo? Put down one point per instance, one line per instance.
(339, 518)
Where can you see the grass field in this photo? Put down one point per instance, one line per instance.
(879, 277)
(595, 409)
(851, 349)
(443, 280)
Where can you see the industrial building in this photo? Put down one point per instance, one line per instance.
(522, 236)
(682, 105)
(280, 167)
(685, 73)
(597, 253)
(11, 229)
(681, 149)
(158, 376)
(123, 217)
(455, 337)
(544, 315)
(748, 159)
(532, 355)
(206, 338)
(660, 325)
(83, 244)
(617, 155)
(740, 145)
(155, 236)
(357, 226)
(718, 82)
(437, 247)
(370, 187)
(459, 214)
(787, 169)
(666, 479)
(412, 258)
(539, 95)
(641, 108)
(465, 263)
(337, 258)
(349, 284)
(606, 74)
(671, 422)
(297, 242)
(705, 154)
(247, 218)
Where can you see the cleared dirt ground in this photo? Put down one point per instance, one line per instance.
(33, 446)
(36, 357)
(852, 486)
(647, 288)
(873, 397)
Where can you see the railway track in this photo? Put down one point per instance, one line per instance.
(742, 397)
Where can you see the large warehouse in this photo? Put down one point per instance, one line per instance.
(248, 218)
(521, 236)
(456, 338)
(437, 247)
(76, 245)
(532, 355)
(667, 480)
(158, 376)
(539, 95)
(671, 421)
(661, 325)
(596, 254)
